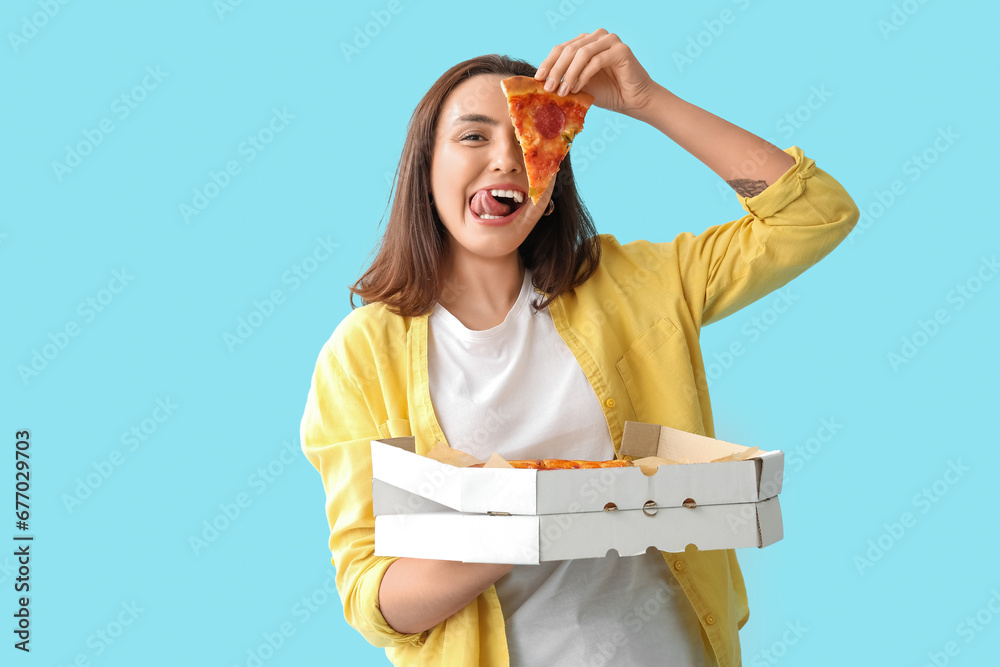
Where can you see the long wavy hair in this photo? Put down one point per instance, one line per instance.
(405, 273)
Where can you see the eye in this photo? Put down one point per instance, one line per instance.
(472, 136)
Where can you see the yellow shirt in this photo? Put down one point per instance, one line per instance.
(634, 328)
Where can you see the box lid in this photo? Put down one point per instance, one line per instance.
(534, 492)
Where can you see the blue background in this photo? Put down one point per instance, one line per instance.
(117, 546)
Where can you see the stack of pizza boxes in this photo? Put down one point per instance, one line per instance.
(683, 489)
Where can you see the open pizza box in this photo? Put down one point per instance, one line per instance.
(683, 489)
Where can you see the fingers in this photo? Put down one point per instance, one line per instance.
(570, 61)
(582, 57)
(595, 65)
(565, 57)
(550, 60)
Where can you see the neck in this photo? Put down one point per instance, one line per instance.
(480, 293)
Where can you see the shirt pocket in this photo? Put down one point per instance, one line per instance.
(659, 378)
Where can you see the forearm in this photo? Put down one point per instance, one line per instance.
(417, 594)
(745, 161)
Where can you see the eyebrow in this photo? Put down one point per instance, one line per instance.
(476, 118)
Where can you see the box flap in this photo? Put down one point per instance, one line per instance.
(407, 443)
(462, 489)
(394, 463)
(769, 524)
(640, 440)
(388, 499)
(770, 473)
(499, 490)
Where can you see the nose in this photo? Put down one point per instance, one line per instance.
(507, 156)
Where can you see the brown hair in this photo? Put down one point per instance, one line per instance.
(405, 274)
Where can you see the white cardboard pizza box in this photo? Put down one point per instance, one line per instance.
(523, 539)
(533, 492)
(427, 509)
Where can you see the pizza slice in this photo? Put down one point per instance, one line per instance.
(562, 464)
(545, 124)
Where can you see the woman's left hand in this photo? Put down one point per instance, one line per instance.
(602, 65)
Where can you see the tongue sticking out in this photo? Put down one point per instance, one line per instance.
(484, 203)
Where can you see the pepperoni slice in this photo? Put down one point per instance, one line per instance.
(549, 120)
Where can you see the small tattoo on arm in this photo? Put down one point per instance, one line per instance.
(747, 188)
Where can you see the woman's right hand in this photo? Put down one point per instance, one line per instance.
(599, 63)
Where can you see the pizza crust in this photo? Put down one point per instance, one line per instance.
(523, 85)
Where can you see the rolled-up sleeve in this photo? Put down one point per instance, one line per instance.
(790, 226)
(336, 432)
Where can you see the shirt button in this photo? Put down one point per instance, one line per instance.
(710, 620)
(610, 402)
(678, 565)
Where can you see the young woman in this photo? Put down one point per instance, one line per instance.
(501, 325)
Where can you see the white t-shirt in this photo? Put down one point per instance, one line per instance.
(517, 390)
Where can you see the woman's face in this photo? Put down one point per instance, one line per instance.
(478, 179)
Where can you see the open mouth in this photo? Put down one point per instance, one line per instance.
(496, 204)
